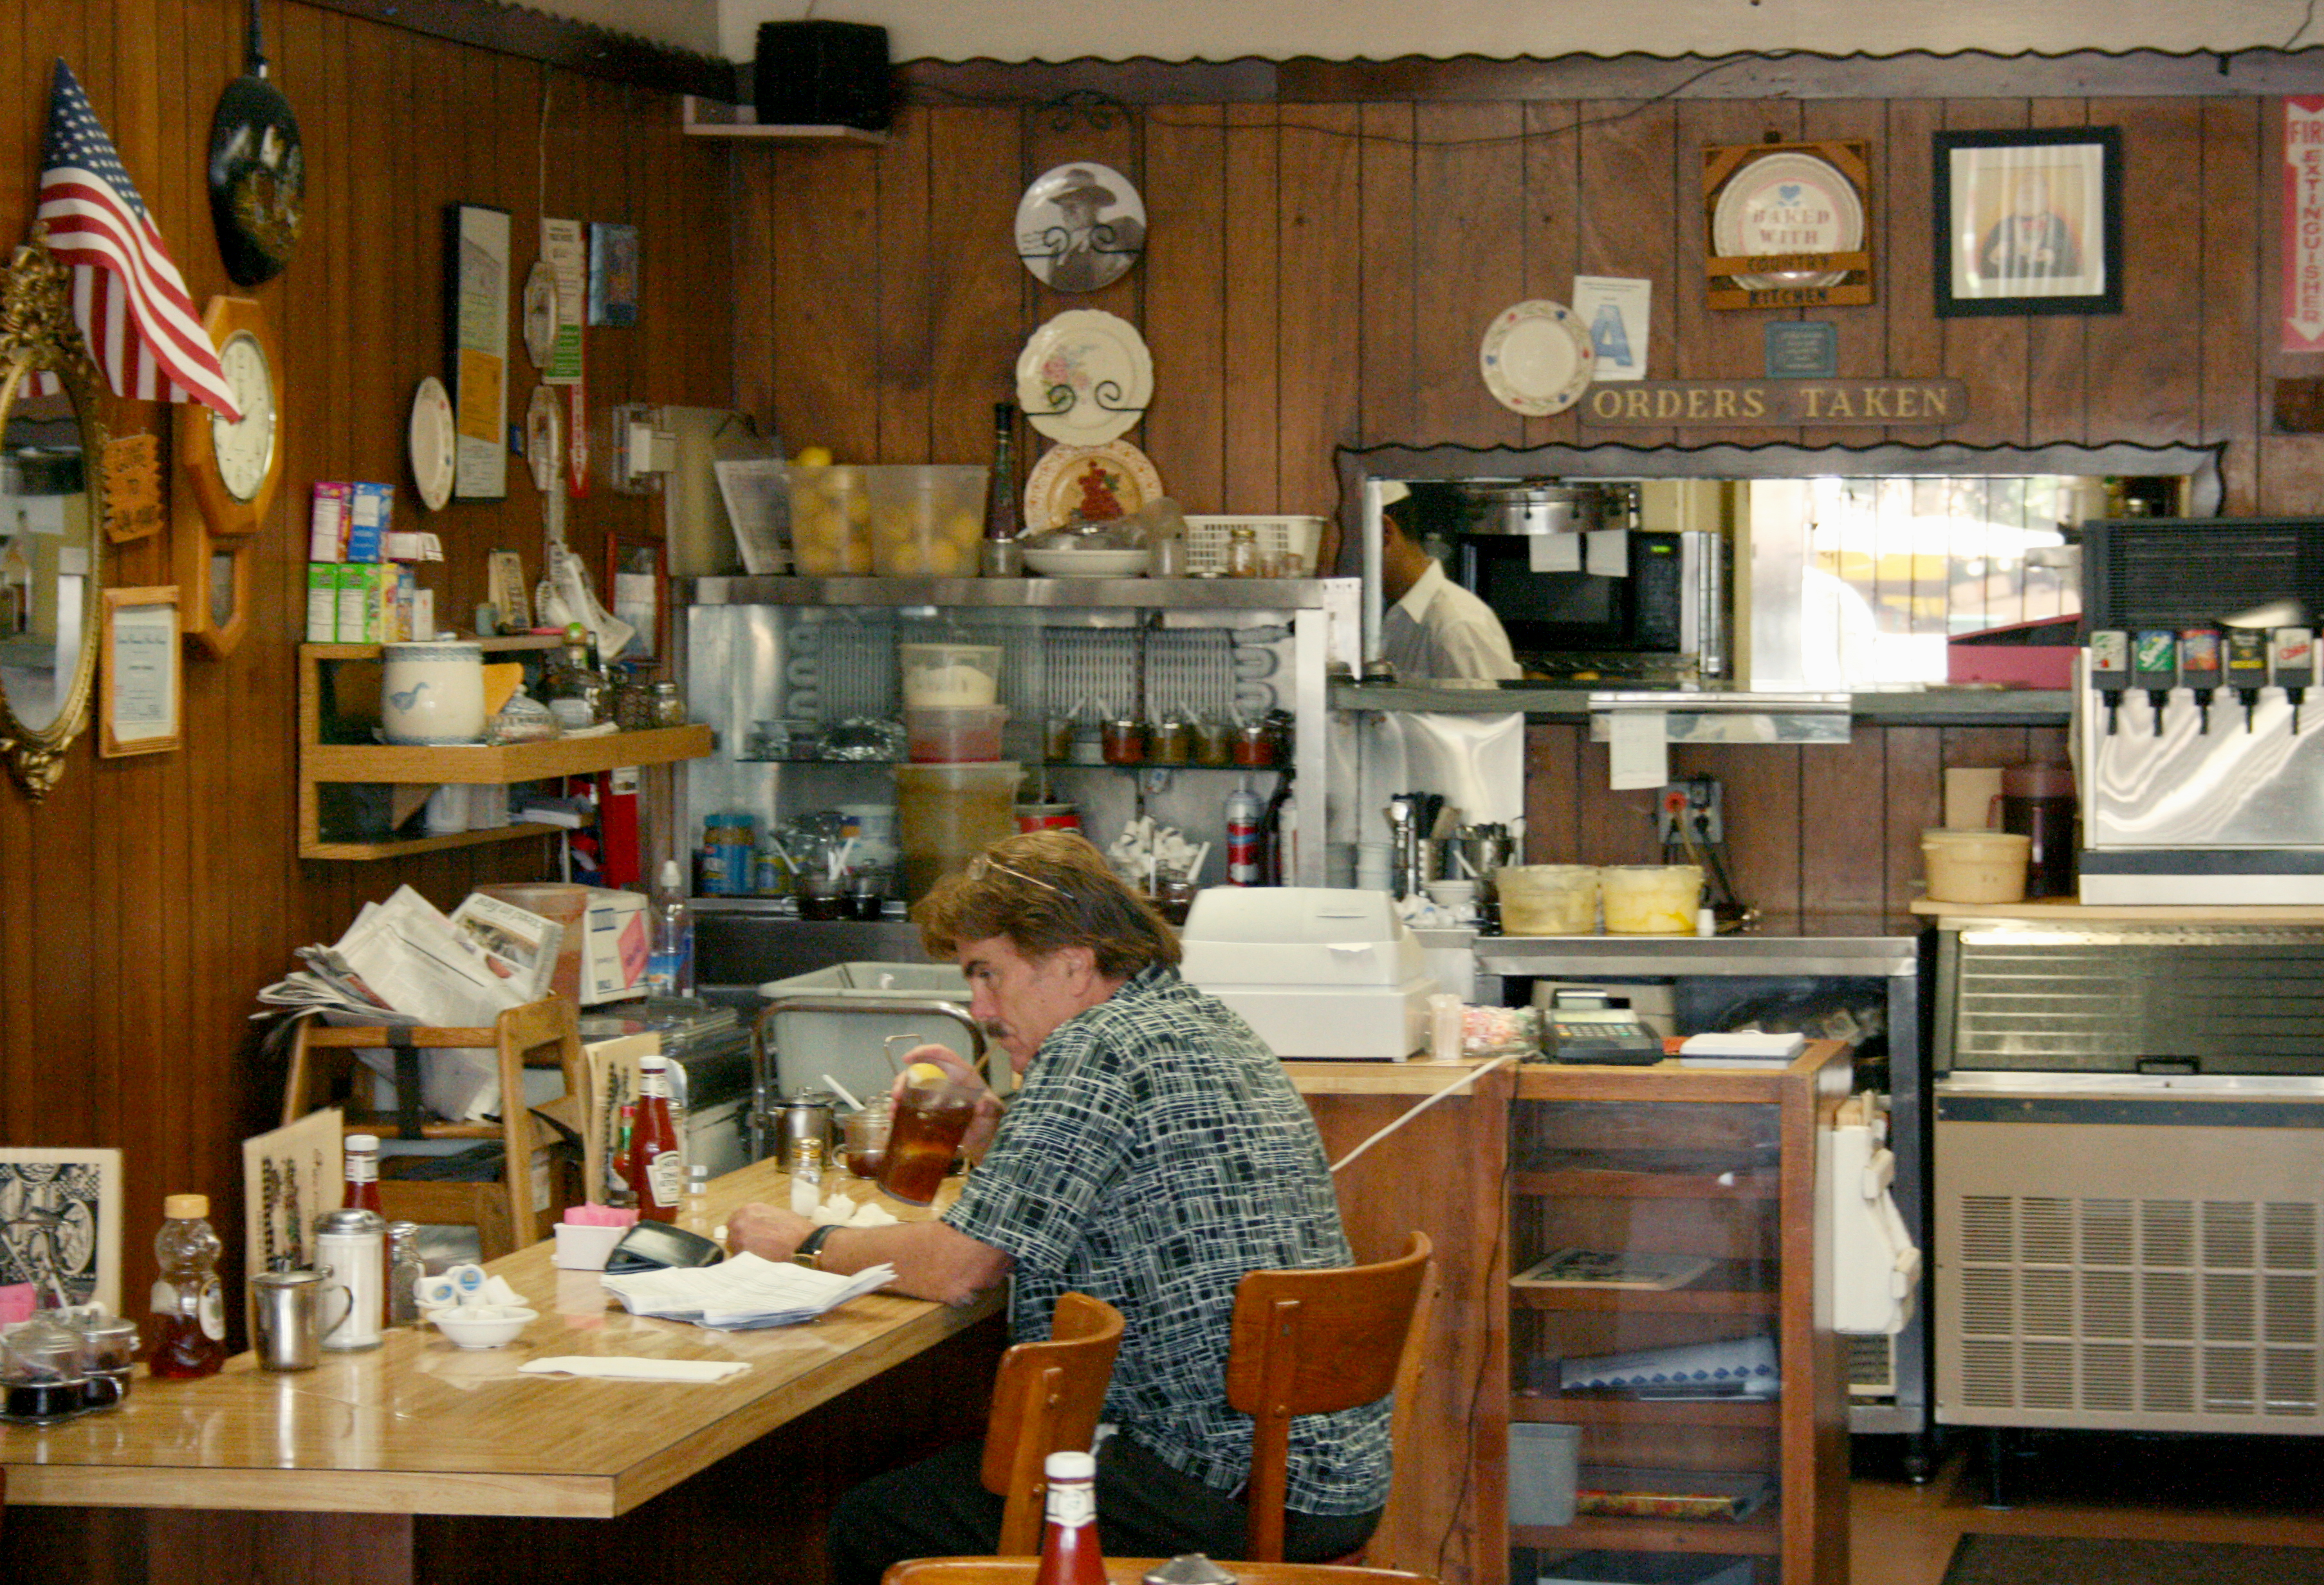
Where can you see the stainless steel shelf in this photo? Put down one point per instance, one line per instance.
(1918, 708)
(1035, 594)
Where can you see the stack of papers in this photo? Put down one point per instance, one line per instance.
(745, 1293)
(1746, 1048)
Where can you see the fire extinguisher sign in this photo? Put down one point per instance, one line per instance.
(2303, 225)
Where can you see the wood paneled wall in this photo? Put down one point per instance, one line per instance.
(1319, 274)
(146, 901)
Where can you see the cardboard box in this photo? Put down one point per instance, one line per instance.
(359, 607)
(322, 602)
(366, 521)
(326, 523)
(614, 946)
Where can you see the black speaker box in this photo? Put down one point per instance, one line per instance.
(824, 74)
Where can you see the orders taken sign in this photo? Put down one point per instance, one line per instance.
(1778, 402)
(2303, 225)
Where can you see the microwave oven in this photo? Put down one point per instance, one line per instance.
(1663, 622)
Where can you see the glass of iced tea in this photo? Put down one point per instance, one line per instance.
(932, 1114)
(865, 1136)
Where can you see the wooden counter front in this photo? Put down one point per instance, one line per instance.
(420, 1427)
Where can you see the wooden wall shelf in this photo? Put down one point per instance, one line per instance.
(478, 765)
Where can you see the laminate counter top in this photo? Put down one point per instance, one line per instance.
(419, 1426)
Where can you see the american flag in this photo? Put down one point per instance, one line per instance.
(128, 299)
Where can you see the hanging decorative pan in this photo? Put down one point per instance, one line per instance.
(258, 174)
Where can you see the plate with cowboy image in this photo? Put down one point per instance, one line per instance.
(1079, 226)
(1085, 377)
(1096, 484)
(1538, 358)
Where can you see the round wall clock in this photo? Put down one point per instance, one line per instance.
(234, 463)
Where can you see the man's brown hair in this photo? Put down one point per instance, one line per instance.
(1045, 891)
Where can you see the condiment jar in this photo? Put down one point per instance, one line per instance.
(1254, 743)
(109, 1348)
(350, 1248)
(41, 1375)
(1125, 742)
(1172, 741)
(1058, 739)
(668, 704)
(1213, 742)
(1242, 556)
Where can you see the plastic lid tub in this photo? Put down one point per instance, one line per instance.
(949, 676)
(1976, 866)
(1651, 899)
(953, 734)
(1547, 900)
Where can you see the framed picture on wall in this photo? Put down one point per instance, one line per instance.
(2029, 221)
(137, 705)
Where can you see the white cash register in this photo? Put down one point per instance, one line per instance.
(1316, 972)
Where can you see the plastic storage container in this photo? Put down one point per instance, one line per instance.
(805, 1050)
(1975, 866)
(946, 815)
(831, 522)
(1543, 1464)
(1650, 899)
(1547, 900)
(952, 733)
(949, 676)
(927, 521)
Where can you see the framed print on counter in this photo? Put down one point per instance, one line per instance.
(2029, 221)
(62, 1207)
(138, 708)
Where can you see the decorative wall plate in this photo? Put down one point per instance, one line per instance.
(431, 439)
(1080, 227)
(1538, 358)
(1099, 482)
(1085, 377)
(1787, 203)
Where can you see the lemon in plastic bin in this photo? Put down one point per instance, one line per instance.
(813, 456)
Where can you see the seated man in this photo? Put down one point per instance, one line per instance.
(1154, 1152)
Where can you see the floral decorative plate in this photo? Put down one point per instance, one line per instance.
(1536, 358)
(1787, 203)
(1080, 227)
(430, 441)
(1085, 377)
(1098, 482)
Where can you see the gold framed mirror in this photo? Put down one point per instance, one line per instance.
(51, 512)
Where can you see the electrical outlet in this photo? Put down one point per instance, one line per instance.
(1697, 799)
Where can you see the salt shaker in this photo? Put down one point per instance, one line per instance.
(405, 1270)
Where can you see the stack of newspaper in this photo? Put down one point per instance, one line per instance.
(402, 963)
(743, 1294)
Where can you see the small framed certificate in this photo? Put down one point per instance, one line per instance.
(138, 701)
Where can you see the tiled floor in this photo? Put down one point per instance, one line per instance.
(2223, 1489)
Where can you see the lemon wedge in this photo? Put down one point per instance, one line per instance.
(924, 1073)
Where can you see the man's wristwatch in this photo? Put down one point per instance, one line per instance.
(809, 1252)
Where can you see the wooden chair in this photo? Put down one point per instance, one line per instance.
(1317, 1341)
(325, 1071)
(1046, 1397)
(1021, 1571)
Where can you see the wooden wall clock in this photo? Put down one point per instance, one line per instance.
(226, 476)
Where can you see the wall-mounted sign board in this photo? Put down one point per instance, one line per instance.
(1779, 404)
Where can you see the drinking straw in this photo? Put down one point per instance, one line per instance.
(839, 859)
(852, 1104)
(1196, 867)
